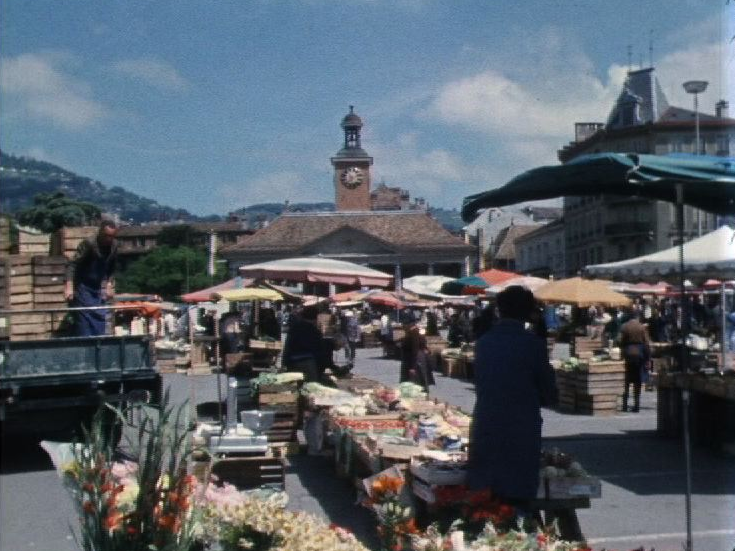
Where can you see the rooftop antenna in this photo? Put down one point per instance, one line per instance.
(640, 61)
(630, 57)
(650, 48)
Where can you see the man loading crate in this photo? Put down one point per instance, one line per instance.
(89, 279)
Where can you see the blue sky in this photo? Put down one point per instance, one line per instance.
(213, 105)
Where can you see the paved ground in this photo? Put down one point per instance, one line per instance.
(642, 474)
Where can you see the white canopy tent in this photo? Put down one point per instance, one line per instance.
(709, 256)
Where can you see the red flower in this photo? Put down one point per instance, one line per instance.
(113, 520)
(167, 522)
(88, 507)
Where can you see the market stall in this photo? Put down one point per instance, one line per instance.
(374, 430)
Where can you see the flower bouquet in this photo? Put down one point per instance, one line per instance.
(142, 505)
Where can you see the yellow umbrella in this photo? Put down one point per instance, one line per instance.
(580, 292)
(236, 295)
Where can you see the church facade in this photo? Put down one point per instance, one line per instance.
(401, 242)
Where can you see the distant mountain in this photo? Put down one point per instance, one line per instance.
(21, 178)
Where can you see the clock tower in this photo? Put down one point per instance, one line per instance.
(352, 168)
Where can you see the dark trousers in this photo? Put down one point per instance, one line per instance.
(633, 376)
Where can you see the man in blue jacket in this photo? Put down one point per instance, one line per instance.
(513, 379)
(90, 279)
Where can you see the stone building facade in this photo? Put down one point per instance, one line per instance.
(609, 228)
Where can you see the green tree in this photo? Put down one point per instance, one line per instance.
(169, 272)
(51, 211)
(178, 235)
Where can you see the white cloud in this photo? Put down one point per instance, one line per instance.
(152, 72)
(278, 186)
(44, 90)
(426, 173)
(490, 102)
(696, 63)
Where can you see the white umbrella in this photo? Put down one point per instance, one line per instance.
(529, 282)
(425, 284)
(317, 270)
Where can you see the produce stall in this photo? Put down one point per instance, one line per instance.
(372, 429)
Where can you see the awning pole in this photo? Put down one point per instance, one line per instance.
(724, 345)
(684, 359)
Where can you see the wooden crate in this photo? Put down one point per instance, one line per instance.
(271, 398)
(453, 367)
(30, 243)
(251, 472)
(599, 383)
(284, 449)
(280, 387)
(599, 404)
(5, 244)
(66, 240)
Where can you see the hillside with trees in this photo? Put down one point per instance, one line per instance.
(22, 178)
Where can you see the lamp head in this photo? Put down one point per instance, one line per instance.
(695, 86)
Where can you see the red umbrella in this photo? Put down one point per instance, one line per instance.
(496, 277)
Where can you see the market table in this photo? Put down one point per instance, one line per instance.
(712, 407)
(558, 498)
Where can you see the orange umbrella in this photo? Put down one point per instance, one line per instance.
(581, 292)
(496, 277)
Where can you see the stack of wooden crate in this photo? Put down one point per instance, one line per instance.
(598, 388)
(32, 283)
(566, 388)
(592, 391)
(5, 244)
(33, 243)
(284, 400)
(585, 347)
(49, 275)
(18, 295)
(66, 240)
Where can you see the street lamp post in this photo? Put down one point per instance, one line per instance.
(696, 87)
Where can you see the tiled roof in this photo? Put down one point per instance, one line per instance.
(401, 229)
(505, 245)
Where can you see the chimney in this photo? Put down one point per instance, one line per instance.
(722, 109)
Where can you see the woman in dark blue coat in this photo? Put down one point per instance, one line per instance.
(513, 379)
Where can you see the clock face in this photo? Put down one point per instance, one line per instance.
(352, 177)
